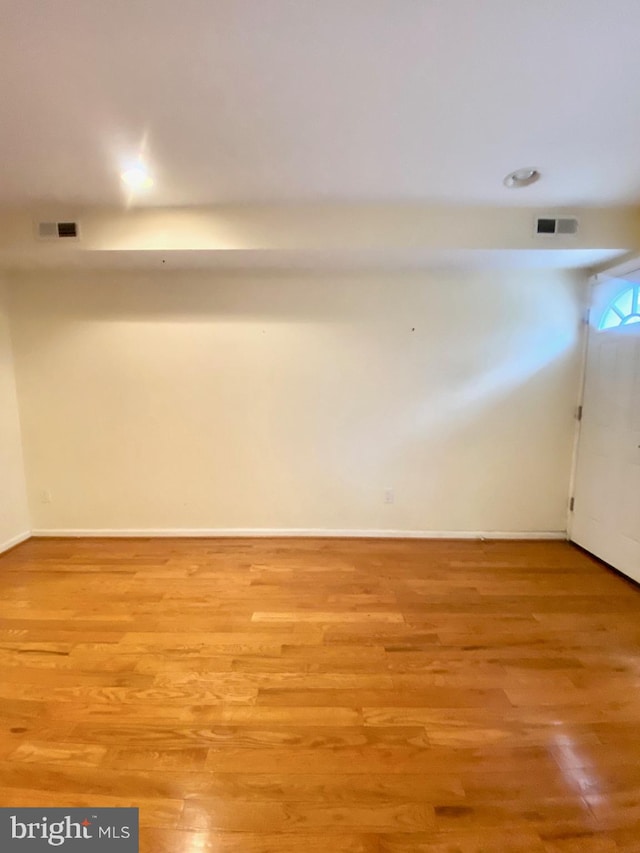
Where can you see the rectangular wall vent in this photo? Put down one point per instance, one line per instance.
(556, 226)
(566, 226)
(67, 229)
(58, 231)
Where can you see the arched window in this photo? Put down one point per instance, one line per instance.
(623, 310)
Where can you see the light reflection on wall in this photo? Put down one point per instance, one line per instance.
(486, 386)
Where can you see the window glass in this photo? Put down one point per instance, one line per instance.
(623, 310)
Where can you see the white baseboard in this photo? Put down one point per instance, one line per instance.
(15, 540)
(242, 532)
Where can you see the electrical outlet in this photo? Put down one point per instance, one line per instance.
(45, 496)
(389, 496)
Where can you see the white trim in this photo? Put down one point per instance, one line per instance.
(582, 378)
(617, 269)
(15, 540)
(242, 532)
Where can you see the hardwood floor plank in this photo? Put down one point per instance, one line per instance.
(162, 812)
(427, 697)
(285, 817)
(342, 789)
(185, 841)
(43, 752)
(489, 840)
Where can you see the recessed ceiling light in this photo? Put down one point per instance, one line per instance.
(522, 178)
(137, 178)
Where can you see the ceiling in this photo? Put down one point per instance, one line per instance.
(278, 101)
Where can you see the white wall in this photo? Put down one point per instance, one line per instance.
(14, 514)
(195, 401)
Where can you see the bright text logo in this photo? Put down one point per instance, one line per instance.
(76, 830)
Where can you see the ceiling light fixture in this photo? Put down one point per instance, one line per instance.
(137, 178)
(522, 178)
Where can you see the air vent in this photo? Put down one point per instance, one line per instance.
(67, 229)
(552, 226)
(566, 226)
(58, 231)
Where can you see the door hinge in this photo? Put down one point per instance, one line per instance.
(579, 413)
(572, 503)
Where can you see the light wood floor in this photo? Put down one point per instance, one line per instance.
(325, 696)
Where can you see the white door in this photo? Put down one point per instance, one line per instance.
(606, 511)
